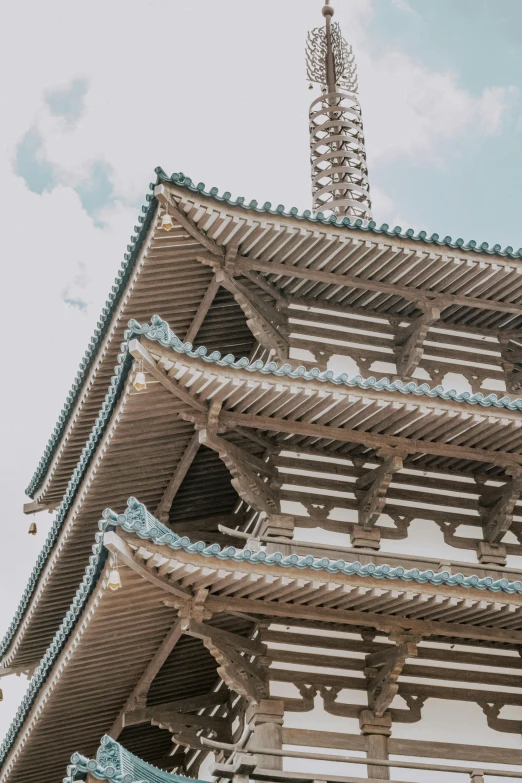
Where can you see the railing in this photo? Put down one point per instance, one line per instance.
(245, 766)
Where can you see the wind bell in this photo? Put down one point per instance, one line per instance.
(114, 582)
(140, 382)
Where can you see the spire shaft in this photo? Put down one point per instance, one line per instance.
(337, 153)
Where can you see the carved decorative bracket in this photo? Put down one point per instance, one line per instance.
(384, 668)
(372, 487)
(268, 324)
(511, 352)
(496, 507)
(232, 652)
(244, 468)
(492, 711)
(409, 341)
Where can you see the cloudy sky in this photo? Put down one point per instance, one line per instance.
(95, 95)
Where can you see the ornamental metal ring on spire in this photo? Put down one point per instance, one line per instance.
(337, 153)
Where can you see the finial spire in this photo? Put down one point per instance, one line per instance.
(337, 153)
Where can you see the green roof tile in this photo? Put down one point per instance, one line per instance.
(159, 331)
(116, 764)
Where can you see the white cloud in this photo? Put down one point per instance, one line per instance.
(402, 5)
(411, 109)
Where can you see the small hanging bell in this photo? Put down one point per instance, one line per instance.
(32, 529)
(114, 582)
(166, 222)
(140, 382)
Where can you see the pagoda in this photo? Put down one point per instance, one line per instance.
(239, 583)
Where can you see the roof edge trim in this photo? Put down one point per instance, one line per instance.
(180, 180)
(102, 327)
(159, 331)
(138, 520)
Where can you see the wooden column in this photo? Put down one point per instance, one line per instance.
(266, 721)
(376, 730)
(278, 526)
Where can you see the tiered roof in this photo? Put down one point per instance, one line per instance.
(111, 439)
(157, 569)
(454, 425)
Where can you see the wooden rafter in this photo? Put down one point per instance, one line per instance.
(139, 715)
(409, 341)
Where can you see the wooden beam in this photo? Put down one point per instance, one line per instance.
(202, 310)
(118, 546)
(351, 617)
(406, 689)
(140, 691)
(165, 504)
(481, 754)
(369, 439)
(34, 507)
(409, 341)
(441, 300)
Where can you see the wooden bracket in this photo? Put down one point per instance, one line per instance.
(383, 669)
(232, 652)
(497, 506)
(267, 323)
(244, 468)
(372, 487)
(511, 353)
(492, 710)
(409, 341)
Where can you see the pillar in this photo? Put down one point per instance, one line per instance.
(266, 721)
(278, 526)
(376, 730)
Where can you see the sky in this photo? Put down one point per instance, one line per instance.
(95, 95)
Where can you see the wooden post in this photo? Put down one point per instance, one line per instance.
(278, 526)
(266, 721)
(377, 730)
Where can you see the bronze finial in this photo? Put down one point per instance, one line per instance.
(337, 152)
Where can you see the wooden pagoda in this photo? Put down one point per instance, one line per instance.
(225, 567)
